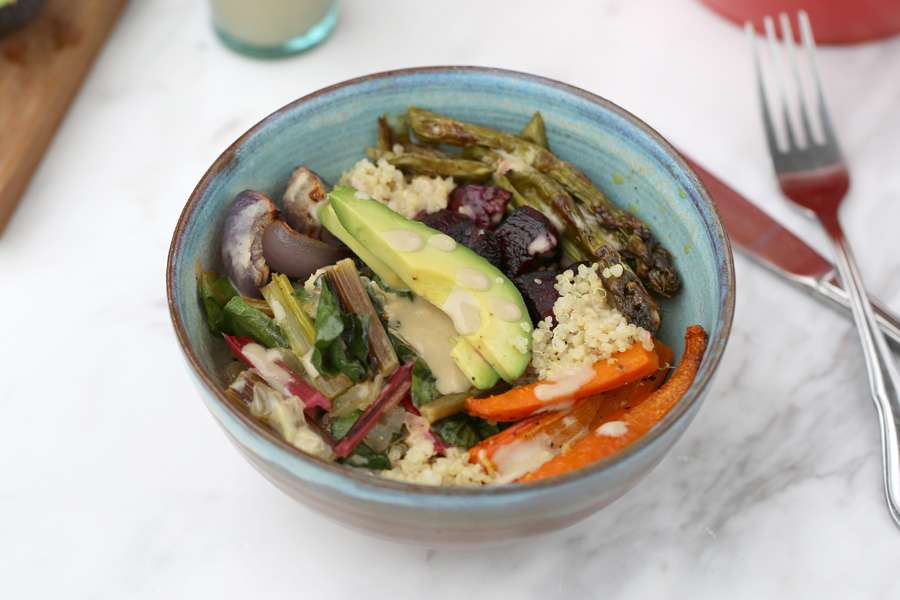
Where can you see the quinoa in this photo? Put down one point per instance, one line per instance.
(587, 329)
(387, 184)
(416, 461)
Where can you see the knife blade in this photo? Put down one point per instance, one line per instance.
(773, 246)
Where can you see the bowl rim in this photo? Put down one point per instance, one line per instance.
(374, 484)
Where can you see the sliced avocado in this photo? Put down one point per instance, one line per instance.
(464, 355)
(330, 221)
(473, 365)
(484, 305)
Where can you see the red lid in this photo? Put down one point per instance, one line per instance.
(833, 21)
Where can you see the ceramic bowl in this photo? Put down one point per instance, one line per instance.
(329, 131)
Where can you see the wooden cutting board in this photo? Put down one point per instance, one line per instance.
(41, 69)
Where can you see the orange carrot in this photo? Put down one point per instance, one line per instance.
(626, 426)
(629, 395)
(525, 400)
(565, 425)
(560, 426)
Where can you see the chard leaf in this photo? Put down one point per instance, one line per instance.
(342, 343)
(362, 456)
(241, 319)
(404, 352)
(424, 384)
(329, 321)
(215, 292)
(341, 425)
(464, 430)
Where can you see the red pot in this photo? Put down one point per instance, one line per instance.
(833, 21)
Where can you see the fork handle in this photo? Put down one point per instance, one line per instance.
(884, 381)
(830, 290)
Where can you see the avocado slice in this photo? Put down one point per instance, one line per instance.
(466, 357)
(486, 308)
(481, 374)
(330, 221)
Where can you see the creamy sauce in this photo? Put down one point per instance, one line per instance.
(515, 460)
(404, 241)
(612, 429)
(539, 245)
(431, 333)
(361, 195)
(474, 280)
(566, 385)
(464, 311)
(505, 310)
(443, 242)
(467, 211)
(510, 162)
(285, 415)
(264, 361)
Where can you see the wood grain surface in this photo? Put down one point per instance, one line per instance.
(41, 69)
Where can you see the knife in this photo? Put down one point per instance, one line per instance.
(774, 247)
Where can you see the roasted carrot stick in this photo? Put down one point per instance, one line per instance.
(619, 430)
(560, 426)
(629, 395)
(565, 425)
(525, 400)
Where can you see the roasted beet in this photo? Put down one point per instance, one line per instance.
(457, 226)
(483, 204)
(538, 292)
(486, 244)
(527, 239)
(463, 229)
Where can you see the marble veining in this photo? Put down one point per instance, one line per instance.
(774, 491)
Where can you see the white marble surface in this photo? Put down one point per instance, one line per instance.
(116, 483)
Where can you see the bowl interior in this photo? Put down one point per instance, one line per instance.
(330, 130)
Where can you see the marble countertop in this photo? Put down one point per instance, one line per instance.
(116, 483)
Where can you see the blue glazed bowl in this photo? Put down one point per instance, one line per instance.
(328, 131)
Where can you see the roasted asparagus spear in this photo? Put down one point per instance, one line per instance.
(583, 237)
(535, 132)
(423, 160)
(437, 166)
(637, 244)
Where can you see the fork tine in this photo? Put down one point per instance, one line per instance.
(775, 52)
(768, 125)
(787, 34)
(809, 45)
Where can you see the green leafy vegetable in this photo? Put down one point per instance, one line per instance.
(424, 384)
(356, 334)
(362, 456)
(242, 319)
(366, 458)
(354, 299)
(464, 430)
(301, 293)
(341, 425)
(215, 292)
(404, 352)
(389, 290)
(342, 340)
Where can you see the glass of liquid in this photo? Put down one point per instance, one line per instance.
(273, 28)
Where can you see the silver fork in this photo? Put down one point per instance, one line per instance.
(813, 174)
